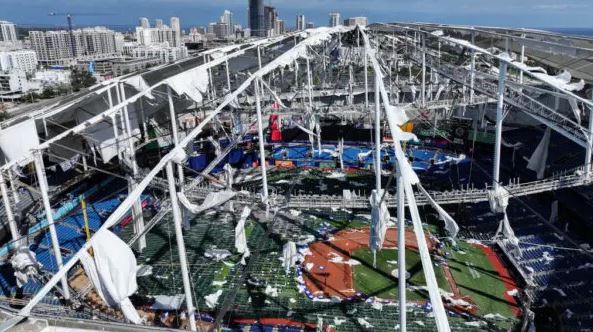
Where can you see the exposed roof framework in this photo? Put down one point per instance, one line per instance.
(194, 82)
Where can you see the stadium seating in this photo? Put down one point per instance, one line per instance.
(556, 272)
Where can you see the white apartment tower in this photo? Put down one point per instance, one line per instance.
(159, 35)
(176, 26)
(7, 32)
(55, 47)
(279, 27)
(334, 19)
(227, 18)
(300, 22)
(18, 60)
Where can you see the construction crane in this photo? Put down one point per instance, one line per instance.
(69, 20)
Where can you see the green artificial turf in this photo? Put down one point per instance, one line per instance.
(380, 282)
(477, 278)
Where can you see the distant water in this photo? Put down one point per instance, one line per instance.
(586, 32)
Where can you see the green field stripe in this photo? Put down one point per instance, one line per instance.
(381, 283)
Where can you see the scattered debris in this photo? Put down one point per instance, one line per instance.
(364, 323)
(212, 299)
(271, 291)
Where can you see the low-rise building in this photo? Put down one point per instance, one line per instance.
(165, 53)
(354, 21)
(129, 65)
(14, 82)
(49, 78)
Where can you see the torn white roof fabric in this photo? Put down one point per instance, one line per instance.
(509, 240)
(112, 272)
(17, 141)
(575, 109)
(431, 282)
(101, 136)
(212, 200)
(193, 83)
(450, 224)
(379, 218)
(240, 237)
(212, 299)
(539, 158)
(498, 199)
(139, 84)
(289, 256)
(168, 302)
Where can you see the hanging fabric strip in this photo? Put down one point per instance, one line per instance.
(289, 256)
(212, 200)
(450, 224)
(539, 158)
(379, 218)
(575, 109)
(240, 237)
(431, 282)
(274, 95)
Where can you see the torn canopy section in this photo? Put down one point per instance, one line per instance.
(192, 83)
(212, 200)
(379, 218)
(112, 272)
(17, 141)
(101, 137)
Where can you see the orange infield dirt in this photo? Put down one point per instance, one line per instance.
(330, 274)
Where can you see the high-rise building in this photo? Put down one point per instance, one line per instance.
(334, 19)
(160, 34)
(221, 30)
(300, 22)
(279, 28)
(210, 28)
(18, 60)
(54, 47)
(144, 23)
(176, 26)
(270, 18)
(227, 19)
(256, 18)
(353, 21)
(310, 25)
(7, 32)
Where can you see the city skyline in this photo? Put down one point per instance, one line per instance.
(551, 13)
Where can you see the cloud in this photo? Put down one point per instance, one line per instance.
(560, 6)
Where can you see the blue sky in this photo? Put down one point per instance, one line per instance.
(516, 13)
